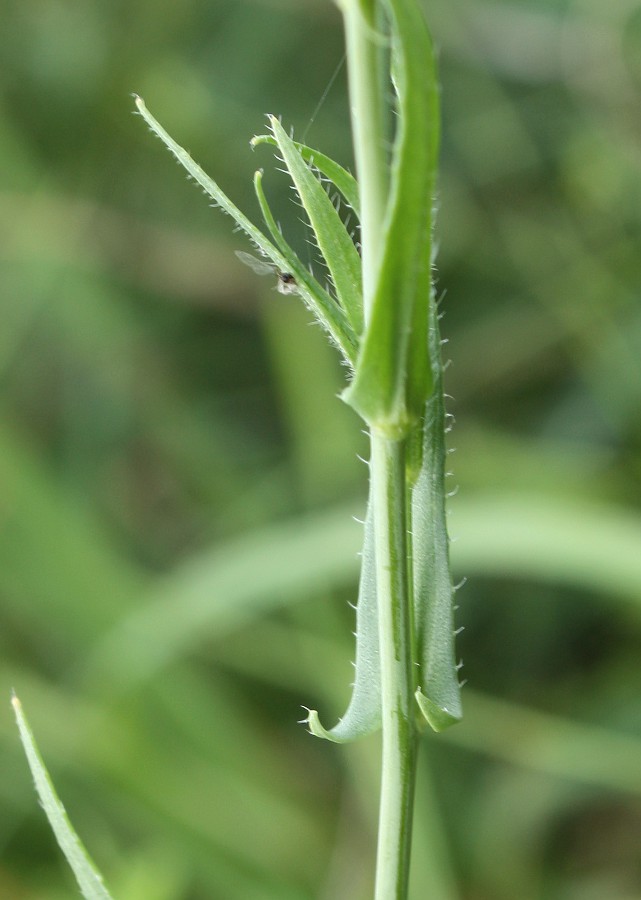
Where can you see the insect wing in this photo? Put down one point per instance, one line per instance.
(259, 266)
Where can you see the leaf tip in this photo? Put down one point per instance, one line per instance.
(438, 716)
(314, 726)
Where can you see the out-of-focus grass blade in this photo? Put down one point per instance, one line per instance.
(549, 743)
(87, 875)
(519, 534)
(223, 590)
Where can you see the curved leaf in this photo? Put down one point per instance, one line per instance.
(342, 180)
(363, 714)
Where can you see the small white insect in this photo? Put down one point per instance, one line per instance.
(286, 281)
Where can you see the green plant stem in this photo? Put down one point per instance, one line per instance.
(397, 674)
(365, 57)
(367, 100)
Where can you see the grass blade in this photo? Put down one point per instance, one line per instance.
(87, 875)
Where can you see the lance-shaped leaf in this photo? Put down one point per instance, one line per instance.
(342, 180)
(438, 696)
(393, 375)
(326, 310)
(338, 249)
(87, 875)
(303, 277)
(363, 714)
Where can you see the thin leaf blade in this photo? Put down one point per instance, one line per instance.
(337, 247)
(89, 879)
(305, 281)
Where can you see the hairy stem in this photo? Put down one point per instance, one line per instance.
(397, 675)
(367, 61)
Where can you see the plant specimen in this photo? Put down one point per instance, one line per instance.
(380, 311)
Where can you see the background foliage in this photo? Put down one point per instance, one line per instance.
(178, 478)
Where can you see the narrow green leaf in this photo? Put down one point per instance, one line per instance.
(87, 875)
(393, 373)
(330, 315)
(337, 247)
(303, 277)
(270, 221)
(342, 180)
(363, 714)
(438, 696)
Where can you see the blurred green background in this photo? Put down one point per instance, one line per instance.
(178, 479)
